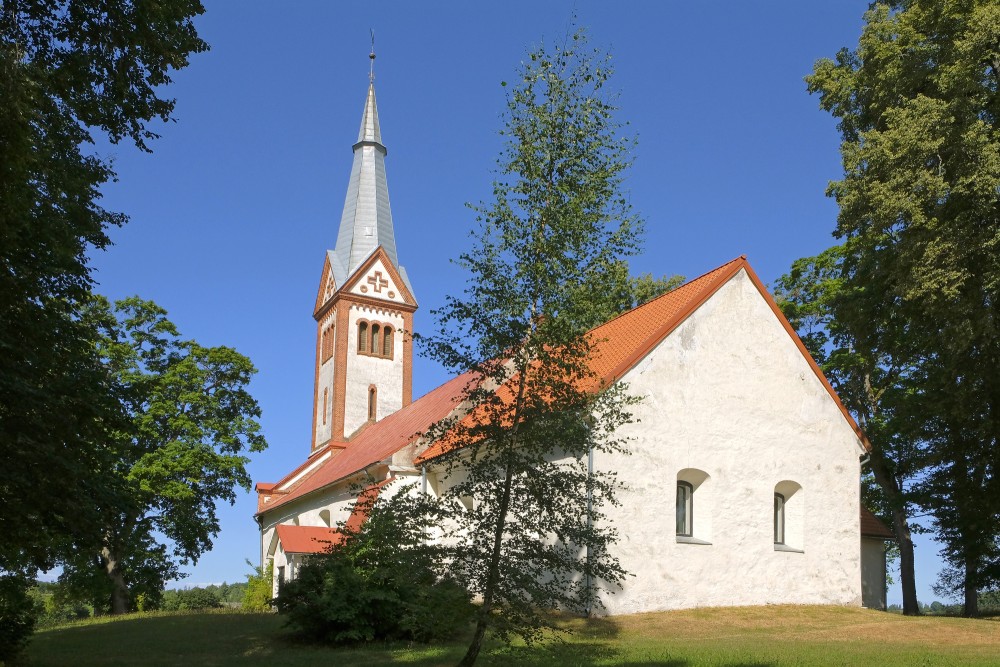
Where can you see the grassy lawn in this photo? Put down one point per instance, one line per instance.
(733, 637)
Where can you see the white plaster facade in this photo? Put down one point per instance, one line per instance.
(364, 371)
(732, 406)
(729, 396)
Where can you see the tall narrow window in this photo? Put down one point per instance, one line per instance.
(376, 345)
(387, 342)
(372, 403)
(327, 343)
(779, 519)
(685, 508)
(324, 406)
(362, 336)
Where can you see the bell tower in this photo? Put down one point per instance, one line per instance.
(364, 306)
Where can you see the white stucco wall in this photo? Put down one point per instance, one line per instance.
(873, 573)
(363, 370)
(337, 500)
(728, 393)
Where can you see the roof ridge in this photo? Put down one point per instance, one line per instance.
(660, 296)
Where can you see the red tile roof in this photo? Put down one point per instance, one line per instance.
(307, 539)
(375, 443)
(619, 344)
(317, 539)
(872, 526)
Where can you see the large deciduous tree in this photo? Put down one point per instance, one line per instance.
(68, 70)
(191, 422)
(519, 505)
(920, 221)
(874, 383)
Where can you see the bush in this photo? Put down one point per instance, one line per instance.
(18, 615)
(258, 591)
(189, 599)
(383, 583)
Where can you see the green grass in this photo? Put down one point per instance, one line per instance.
(731, 637)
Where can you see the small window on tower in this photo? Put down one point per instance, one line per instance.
(362, 336)
(324, 406)
(372, 403)
(376, 345)
(387, 342)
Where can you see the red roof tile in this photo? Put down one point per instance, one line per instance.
(619, 344)
(872, 526)
(376, 442)
(307, 539)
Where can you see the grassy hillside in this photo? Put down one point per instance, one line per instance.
(744, 637)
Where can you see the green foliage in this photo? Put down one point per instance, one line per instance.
(917, 278)
(258, 596)
(517, 502)
(67, 70)
(191, 422)
(18, 615)
(54, 608)
(190, 599)
(384, 583)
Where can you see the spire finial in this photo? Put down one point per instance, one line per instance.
(371, 56)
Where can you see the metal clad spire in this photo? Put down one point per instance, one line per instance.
(367, 219)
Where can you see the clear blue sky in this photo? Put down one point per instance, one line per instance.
(233, 211)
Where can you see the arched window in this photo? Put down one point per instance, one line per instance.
(362, 336)
(387, 342)
(324, 516)
(789, 516)
(372, 403)
(779, 519)
(685, 508)
(376, 345)
(693, 490)
(327, 345)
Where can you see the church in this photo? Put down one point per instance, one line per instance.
(742, 483)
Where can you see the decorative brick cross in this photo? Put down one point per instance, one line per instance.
(377, 282)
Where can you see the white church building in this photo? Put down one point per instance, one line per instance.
(742, 483)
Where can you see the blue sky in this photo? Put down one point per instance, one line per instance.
(231, 214)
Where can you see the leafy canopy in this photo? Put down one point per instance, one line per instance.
(191, 423)
(920, 223)
(69, 73)
(516, 504)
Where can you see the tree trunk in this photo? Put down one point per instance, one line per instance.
(907, 578)
(970, 589)
(119, 590)
(901, 528)
(493, 574)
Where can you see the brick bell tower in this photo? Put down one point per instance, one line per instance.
(365, 305)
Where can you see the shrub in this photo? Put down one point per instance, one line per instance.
(258, 588)
(18, 615)
(385, 582)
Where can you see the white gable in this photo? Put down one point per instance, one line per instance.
(377, 283)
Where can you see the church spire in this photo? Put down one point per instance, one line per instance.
(367, 219)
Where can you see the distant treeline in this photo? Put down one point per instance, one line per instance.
(54, 608)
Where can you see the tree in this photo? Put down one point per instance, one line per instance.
(848, 343)
(518, 503)
(918, 109)
(191, 422)
(384, 581)
(67, 69)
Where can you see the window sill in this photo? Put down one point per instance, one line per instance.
(788, 549)
(681, 539)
